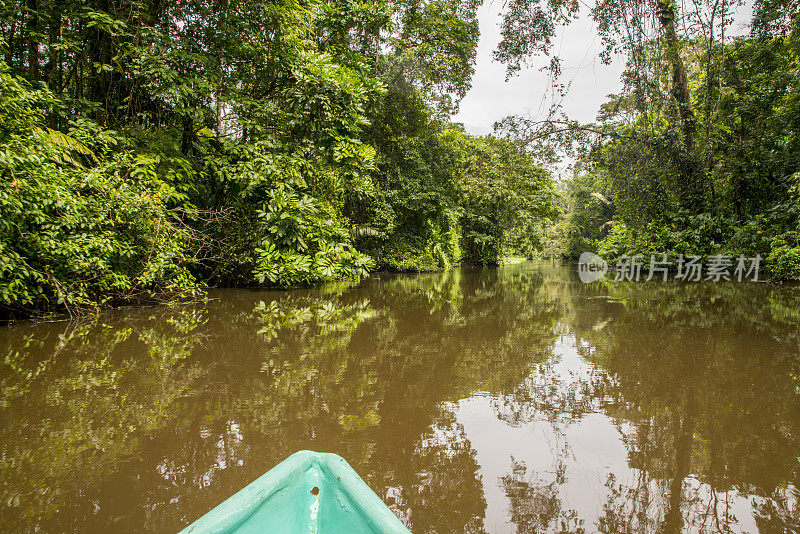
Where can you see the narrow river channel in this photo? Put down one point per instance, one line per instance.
(515, 399)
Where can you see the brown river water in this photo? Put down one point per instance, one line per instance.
(515, 399)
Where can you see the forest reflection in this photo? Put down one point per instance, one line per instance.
(490, 400)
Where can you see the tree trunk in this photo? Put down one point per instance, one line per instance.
(10, 42)
(186, 135)
(680, 80)
(99, 55)
(218, 111)
(33, 43)
(53, 70)
(691, 190)
(684, 438)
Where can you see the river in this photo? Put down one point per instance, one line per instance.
(515, 399)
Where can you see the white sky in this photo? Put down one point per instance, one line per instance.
(492, 98)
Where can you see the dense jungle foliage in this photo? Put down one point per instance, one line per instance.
(700, 152)
(152, 148)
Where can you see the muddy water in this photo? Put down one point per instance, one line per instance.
(495, 400)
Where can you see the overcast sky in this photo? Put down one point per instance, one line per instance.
(492, 98)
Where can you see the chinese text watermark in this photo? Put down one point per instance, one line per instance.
(715, 268)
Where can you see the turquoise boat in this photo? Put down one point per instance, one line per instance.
(309, 493)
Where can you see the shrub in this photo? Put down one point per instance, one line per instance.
(81, 222)
(784, 258)
(303, 243)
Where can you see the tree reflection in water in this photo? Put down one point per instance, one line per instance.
(148, 418)
(702, 383)
(534, 504)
